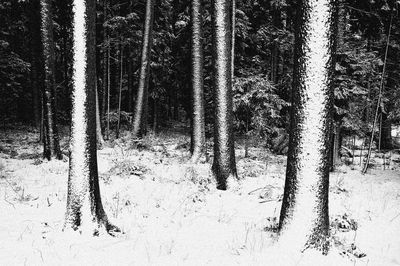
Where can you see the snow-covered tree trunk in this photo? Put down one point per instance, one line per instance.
(198, 128)
(51, 139)
(304, 219)
(224, 165)
(140, 115)
(84, 208)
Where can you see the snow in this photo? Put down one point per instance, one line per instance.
(171, 213)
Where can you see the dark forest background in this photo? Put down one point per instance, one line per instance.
(263, 65)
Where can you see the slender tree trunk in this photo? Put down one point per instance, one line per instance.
(104, 63)
(336, 145)
(130, 80)
(233, 30)
(304, 219)
(224, 166)
(108, 94)
(120, 89)
(52, 145)
(140, 116)
(84, 207)
(99, 135)
(198, 128)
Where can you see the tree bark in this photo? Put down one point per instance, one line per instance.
(224, 166)
(51, 140)
(198, 138)
(140, 116)
(84, 207)
(304, 218)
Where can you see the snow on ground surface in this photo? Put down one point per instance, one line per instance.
(171, 213)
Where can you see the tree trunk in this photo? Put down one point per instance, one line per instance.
(84, 208)
(51, 140)
(198, 127)
(104, 64)
(130, 80)
(108, 94)
(336, 145)
(120, 89)
(224, 166)
(140, 116)
(304, 218)
(99, 135)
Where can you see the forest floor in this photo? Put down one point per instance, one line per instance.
(171, 213)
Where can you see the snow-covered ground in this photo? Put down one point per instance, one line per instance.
(171, 213)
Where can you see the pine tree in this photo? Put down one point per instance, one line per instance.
(224, 165)
(84, 208)
(51, 139)
(198, 131)
(140, 115)
(304, 218)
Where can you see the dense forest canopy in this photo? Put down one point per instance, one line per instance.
(263, 63)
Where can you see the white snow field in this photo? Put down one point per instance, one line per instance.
(171, 213)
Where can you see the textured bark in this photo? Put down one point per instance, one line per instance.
(140, 116)
(224, 166)
(84, 208)
(198, 138)
(51, 140)
(304, 219)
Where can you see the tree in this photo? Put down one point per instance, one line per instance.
(224, 166)
(51, 139)
(198, 130)
(84, 208)
(140, 116)
(304, 218)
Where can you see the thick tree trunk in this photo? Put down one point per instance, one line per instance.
(304, 218)
(51, 140)
(224, 166)
(198, 138)
(84, 208)
(140, 116)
